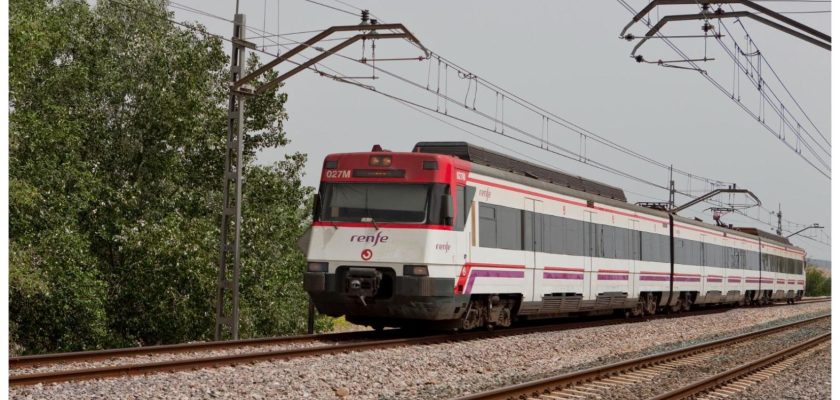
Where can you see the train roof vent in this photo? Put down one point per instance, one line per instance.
(480, 155)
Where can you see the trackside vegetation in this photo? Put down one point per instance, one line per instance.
(117, 130)
(817, 282)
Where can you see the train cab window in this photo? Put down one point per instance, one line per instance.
(381, 202)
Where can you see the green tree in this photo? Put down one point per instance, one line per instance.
(117, 134)
(816, 283)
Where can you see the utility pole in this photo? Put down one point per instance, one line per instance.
(671, 190)
(241, 88)
(228, 282)
(779, 214)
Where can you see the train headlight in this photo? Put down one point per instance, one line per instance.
(379, 161)
(415, 270)
(316, 267)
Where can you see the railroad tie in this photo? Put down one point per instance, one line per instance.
(741, 384)
(591, 389)
(566, 396)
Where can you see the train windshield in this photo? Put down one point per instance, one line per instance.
(379, 202)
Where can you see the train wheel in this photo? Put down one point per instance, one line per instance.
(650, 304)
(474, 317)
(639, 309)
(677, 306)
(686, 304)
(504, 318)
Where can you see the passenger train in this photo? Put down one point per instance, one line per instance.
(455, 236)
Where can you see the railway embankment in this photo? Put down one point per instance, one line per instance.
(443, 370)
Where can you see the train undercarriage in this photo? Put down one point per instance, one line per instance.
(489, 311)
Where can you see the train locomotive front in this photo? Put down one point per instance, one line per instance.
(383, 249)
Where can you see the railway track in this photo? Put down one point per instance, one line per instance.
(597, 381)
(732, 382)
(343, 343)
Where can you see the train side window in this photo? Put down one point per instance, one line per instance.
(552, 234)
(752, 260)
(622, 243)
(508, 228)
(680, 251)
(500, 227)
(655, 247)
(486, 225)
(608, 240)
(572, 240)
(465, 196)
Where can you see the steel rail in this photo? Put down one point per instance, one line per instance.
(742, 370)
(544, 386)
(42, 359)
(94, 355)
(234, 359)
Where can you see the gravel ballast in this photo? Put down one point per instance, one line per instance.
(809, 379)
(432, 371)
(722, 360)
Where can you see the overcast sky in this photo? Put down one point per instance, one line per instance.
(565, 56)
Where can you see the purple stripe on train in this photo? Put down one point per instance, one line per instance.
(611, 277)
(686, 279)
(653, 278)
(491, 274)
(665, 278)
(562, 275)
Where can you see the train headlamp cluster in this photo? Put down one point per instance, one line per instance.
(380, 161)
(317, 267)
(415, 270)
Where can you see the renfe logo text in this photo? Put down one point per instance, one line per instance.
(373, 239)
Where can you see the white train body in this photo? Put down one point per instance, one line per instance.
(511, 246)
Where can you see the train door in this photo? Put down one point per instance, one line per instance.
(465, 223)
(704, 270)
(589, 243)
(532, 244)
(634, 252)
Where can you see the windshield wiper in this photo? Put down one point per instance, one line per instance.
(371, 220)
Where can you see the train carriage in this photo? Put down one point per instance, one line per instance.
(461, 237)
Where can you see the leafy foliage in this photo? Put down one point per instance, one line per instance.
(816, 282)
(117, 135)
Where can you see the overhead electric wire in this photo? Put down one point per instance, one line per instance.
(720, 87)
(780, 112)
(446, 98)
(533, 108)
(766, 87)
(778, 78)
(570, 154)
(428, 111)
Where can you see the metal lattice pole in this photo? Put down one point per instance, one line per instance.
(228, 282)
